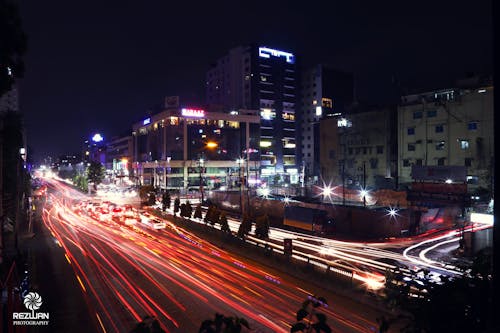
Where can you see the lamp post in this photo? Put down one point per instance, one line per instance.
(201, 162)
(240, 162)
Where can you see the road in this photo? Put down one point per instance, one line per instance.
(127, 273)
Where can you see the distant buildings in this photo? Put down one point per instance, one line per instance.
(325, 92)
(10, 100)
(264, 79)
(368, 147)
(452, 127)
(172, 149)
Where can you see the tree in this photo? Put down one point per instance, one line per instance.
(151, 198)
(183, 210)
(165, 201)
(13, 45)
(80, 181)
(245, 226)
(224, 226)
(189, 209)
(208, 214)
(95, 173)
(197, 212)
(177, 203)
(262, 226)
(223, 324)
(145, 191)
(462, 301)
(214, 219)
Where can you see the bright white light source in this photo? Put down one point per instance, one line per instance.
(481, 91)
(326, 191)
(234, 113)
(97, 137)
(448, 181)
(319, 111)
(363, 193)
(482, 218)
(264, 192)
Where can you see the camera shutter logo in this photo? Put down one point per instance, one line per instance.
(32, 301)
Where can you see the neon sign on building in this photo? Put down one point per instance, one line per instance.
(146, 121)
(265, 52)
(198, 113)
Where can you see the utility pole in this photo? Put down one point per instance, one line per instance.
(343, 182)
(201, 179)
(364, 183)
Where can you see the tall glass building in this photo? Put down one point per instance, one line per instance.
(265, 79)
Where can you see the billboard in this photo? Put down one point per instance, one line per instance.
(454, 173)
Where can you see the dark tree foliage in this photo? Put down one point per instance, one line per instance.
(223, 324)
(95, 173)
(197, 212)
(183, 212)
(245, 226)
(224, 226)
(189, 209)
(208, 214)
(458, 305)
(12, 139)
(262, 226)
(165, 201)
(214, 219)
(177, 203)
(12, 45)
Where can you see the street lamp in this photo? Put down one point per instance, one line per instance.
(240, 162)
(201, 162)
(363, 193)
(212, 144)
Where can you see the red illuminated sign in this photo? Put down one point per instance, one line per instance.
(198, 113)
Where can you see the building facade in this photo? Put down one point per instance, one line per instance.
(324, 92)
(10, 100)
(264, 79)
(368, 147)
(119, 155)
(452, 127)
(177, 147)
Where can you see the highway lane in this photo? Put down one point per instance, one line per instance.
(127, 273)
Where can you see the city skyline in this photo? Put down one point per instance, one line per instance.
(122, 70)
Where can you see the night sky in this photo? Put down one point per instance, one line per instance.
(100, 65)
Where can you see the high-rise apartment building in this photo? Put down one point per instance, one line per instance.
(324, 92)
(265, 79)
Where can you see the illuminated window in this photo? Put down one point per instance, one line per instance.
(288, 116)
(233, 124)
(288, 160)
(267, 114)
(315, 102)
(220, 123)
(265, 144)
(174, 121)
(263, 78)
(464, 144)
(327, 103)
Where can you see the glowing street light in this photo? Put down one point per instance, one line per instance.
(212, 144)
(448, 181)
(392, 212)
(326, 191)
